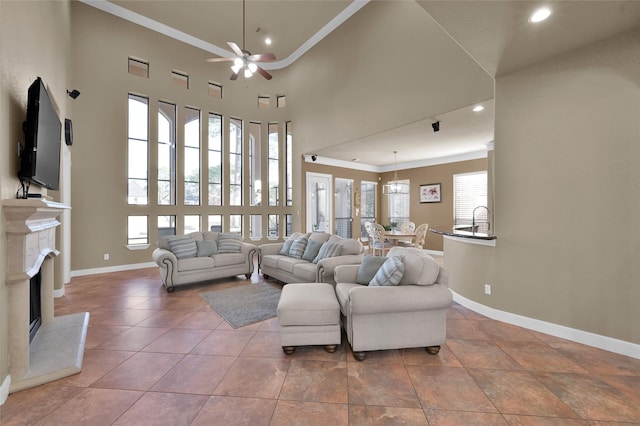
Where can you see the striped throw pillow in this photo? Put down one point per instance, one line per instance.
(183, 246)
(297, 247)
(390, 273)
(229, 243)
(328, 250)
(286, 247)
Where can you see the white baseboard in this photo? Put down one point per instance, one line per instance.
(116, 268)
(435, 252)
(601, 342)
(58, 293)
(4, 389)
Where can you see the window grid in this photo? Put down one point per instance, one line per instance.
(235, 162)
(137, 230)
(166, 154)
(289, 163)
(273, 226)
(215, 160)
(191, 157)
(166, 226)
(138, 150)
(255, 226)
(214, 223)
(273, 162)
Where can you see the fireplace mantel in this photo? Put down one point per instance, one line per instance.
(58, 347)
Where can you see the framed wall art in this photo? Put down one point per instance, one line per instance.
(430, 193)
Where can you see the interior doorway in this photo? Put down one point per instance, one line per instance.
(319, 205)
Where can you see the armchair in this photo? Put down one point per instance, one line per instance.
(411, 314)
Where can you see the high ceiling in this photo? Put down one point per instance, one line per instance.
(496, 34)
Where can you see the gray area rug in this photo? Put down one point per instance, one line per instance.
(246, 304)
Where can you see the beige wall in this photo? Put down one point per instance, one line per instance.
(34, 41)
(102, 44)
(567, 195)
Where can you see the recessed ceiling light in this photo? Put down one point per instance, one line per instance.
(540, 15)
(267, 41)
(478, 108)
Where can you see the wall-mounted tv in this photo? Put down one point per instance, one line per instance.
(40, 156)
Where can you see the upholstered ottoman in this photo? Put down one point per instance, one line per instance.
(309, 314)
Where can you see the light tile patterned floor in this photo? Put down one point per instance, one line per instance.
(159, 358)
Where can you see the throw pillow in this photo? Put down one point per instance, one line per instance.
(313, 247)
(297, 247)
(286, 247)
(206, 248)
(368, 268)
(229, 243)
(328, 250)
(183, 246)
(390, 273)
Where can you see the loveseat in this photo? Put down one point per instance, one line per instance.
(310, 257)
(202, 256)
(396, 303)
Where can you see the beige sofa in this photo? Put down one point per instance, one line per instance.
(216, 255)
(409, 315)
(291, 269)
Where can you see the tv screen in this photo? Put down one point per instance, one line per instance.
(40, 158)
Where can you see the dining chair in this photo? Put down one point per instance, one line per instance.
(407, 227)
(378, 243)
(365, 238)
(421, 235)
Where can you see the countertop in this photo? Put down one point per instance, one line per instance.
(466, 234)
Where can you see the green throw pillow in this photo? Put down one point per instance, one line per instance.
(207, 248)
(286, 247)
(313, 247)
(368, 268)
(390, 273)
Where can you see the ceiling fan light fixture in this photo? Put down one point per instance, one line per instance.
(238, 62)
(252, 67)
(247, 73)
(236, 68)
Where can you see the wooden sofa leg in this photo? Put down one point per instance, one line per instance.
(289, 349)
(433, 350)
(248, 275)
(331, 348)
(360, 356)
(171, 289)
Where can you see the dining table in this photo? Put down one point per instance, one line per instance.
(396, 236)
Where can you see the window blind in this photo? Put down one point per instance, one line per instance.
(469, 192)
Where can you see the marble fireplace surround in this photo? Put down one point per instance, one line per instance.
(57, 349)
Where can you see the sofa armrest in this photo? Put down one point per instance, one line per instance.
(327, 267)
(404, 298)
(267, 249)
(346, 273)
(162, 256)
(168, 263)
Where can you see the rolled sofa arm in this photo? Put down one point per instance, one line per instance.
(250, 250)
(266, 249)
(168, 264)
(346, 273)
(403, 298)
(327, 267)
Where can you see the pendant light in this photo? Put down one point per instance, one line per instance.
(395, 187)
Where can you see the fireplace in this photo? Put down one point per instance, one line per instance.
(56, 348)
(35, 305)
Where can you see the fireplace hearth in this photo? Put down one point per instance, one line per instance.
(56, 348)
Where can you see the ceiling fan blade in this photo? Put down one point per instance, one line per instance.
(262, 57)
(264, 73)
(235, 48)
(235, 75)
(220, 59)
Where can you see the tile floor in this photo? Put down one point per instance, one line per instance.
(169, 359)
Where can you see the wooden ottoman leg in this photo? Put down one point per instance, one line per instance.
(289, 349)
(433, 350)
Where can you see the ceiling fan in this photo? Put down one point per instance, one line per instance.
(245, 60)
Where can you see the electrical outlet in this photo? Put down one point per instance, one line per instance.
(487, 289)
(105, 256)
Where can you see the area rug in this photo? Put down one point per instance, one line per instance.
(246, 304)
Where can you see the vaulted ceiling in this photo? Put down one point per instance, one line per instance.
(495, 36)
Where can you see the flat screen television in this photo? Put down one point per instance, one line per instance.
(40, 156)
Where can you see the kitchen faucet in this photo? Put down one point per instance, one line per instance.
(473, 219)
